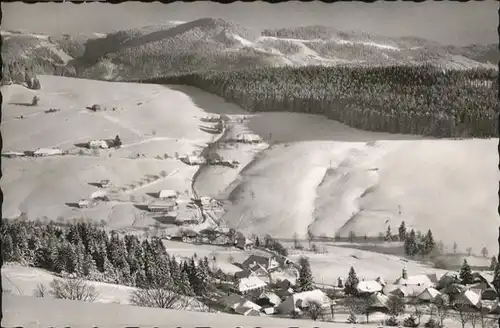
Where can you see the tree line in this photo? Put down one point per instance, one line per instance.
(420, 100)
(88, 252)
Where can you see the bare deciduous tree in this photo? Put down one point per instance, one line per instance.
(441, 310)
(158, 298)
(41, 290)
(74, 289)
(315, 310)
(469, 251)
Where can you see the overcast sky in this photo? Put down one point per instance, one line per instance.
(446, 22)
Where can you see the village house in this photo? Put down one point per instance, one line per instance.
(429, 295)
(485, 290)
(243, 242)
(241, 305)
(268, 299)
(379, 302)
(268, 263)
(469, 299)
(429, 280)
(251, 284)
(167, 194)
(368, 287)
(162, 206)
(301, 301)
(47, 152)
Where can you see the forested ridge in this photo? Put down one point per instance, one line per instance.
(421, 100)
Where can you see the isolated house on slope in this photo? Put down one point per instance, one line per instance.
(105, 183)
(301, 301)
(96, 144)
(167, 194)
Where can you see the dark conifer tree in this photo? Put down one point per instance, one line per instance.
(351, 284)
(466, 273)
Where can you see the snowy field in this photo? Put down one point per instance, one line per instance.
(31, 312)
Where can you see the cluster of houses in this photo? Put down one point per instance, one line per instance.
(40, 152)
(262, 285)
(428, 288)
(257, 289)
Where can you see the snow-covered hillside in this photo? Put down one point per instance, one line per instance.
(318, 174)
(151, 120)
(329, 178)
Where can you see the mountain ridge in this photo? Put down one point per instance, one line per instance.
(218, 44)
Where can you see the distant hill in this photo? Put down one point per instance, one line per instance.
(216, 44)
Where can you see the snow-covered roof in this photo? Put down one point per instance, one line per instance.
(237, 302)
(370, 286)
(303, 299)
(250, 283)
(167, 194)
(272, 297)
(226, 267)
(429, 294)
(379, 300)
(422, 280)
(470, 297)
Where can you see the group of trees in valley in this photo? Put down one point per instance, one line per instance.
(86, 251)
(421, 100)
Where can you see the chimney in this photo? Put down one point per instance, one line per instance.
(404, 274)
